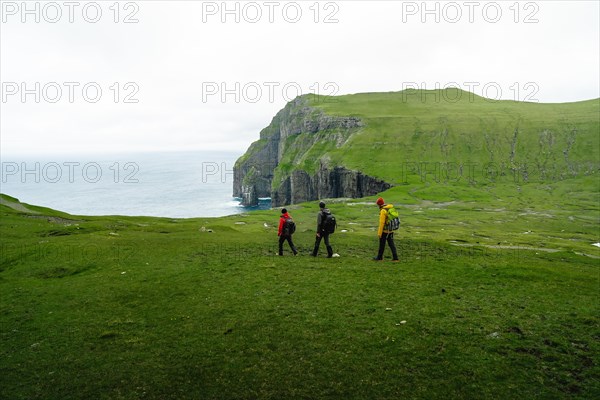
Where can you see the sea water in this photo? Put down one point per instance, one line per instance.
(175, 185)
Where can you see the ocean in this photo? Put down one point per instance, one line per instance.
(175, 185)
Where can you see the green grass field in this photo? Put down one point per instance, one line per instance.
(496, 297)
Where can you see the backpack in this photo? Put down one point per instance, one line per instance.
(393, 220)
(289, 227)
(329, 223)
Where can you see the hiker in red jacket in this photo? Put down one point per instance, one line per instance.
(286, 230)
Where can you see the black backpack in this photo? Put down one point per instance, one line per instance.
(289, 227)
(329, 223)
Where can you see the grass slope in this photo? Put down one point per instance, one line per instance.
(413, 133)
(156, 308)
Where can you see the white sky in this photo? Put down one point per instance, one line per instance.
(179, 53)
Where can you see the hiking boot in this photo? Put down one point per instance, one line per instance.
(377, 259)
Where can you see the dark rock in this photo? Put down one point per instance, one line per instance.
(248, 195)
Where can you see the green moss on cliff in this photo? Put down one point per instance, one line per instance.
(306, 151)
(254, 148)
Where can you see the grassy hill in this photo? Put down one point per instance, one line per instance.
(416, 134)
(496, 296)
(448, 141)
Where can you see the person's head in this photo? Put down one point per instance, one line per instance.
(321, 205)
(283, 210)
(380, 202)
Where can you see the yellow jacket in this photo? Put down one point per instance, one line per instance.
(383, 218)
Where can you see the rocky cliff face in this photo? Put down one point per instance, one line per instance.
(326, 183)
(284, 165)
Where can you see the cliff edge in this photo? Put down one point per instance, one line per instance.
(289, 162)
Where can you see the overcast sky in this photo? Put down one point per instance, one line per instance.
(191, 75)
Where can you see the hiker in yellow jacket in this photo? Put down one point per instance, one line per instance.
(384, 234)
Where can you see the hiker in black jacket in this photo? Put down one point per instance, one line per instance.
(322, 233)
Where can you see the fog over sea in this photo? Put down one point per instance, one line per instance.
(175, 184)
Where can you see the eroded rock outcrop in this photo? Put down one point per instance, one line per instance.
(289, 164)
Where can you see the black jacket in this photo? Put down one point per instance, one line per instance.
(321, 220)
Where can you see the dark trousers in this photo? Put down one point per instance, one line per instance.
(389, 238)
(324, 236)
(282, 239)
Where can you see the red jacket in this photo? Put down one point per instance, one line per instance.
(281, 222)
